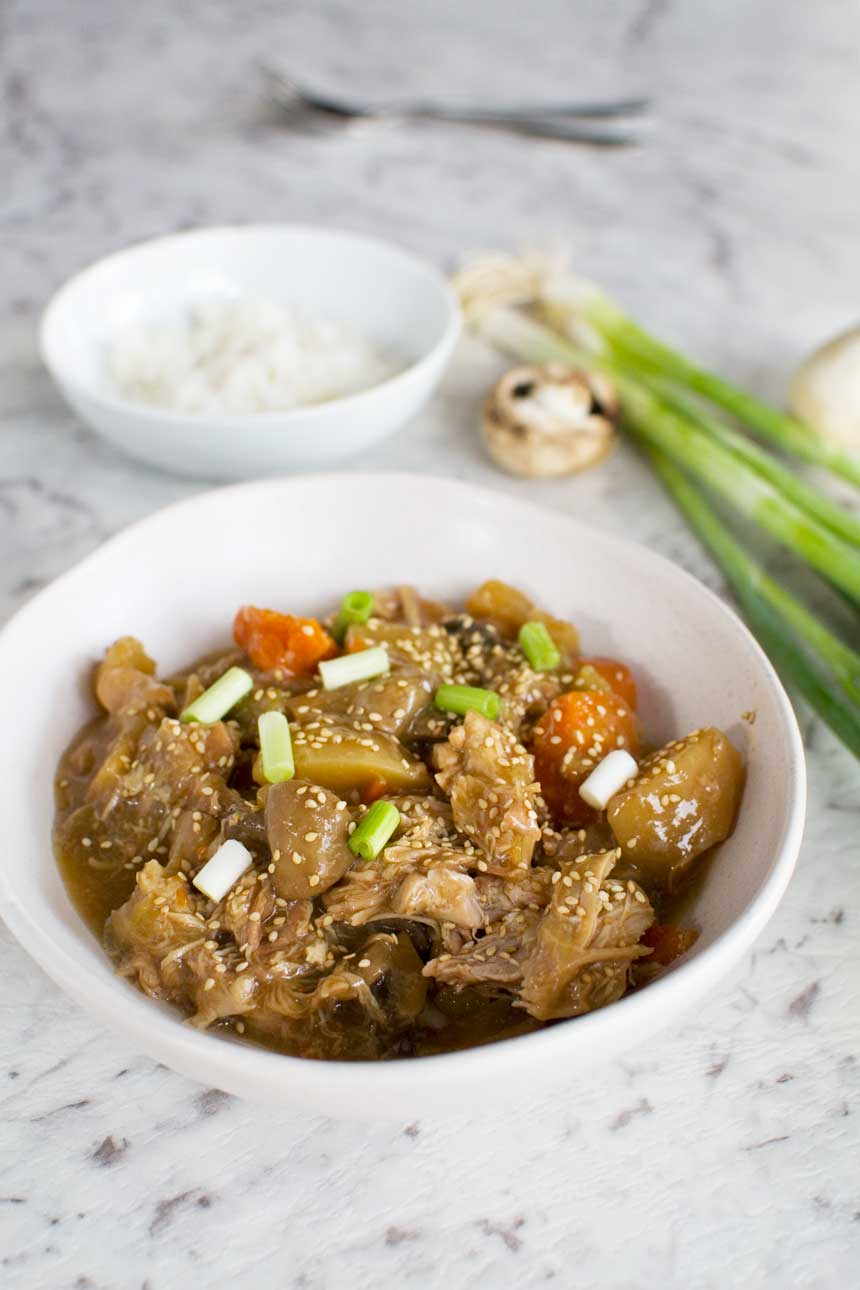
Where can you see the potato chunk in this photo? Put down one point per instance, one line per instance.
(683, 802)
(307, 829)
(341, 758)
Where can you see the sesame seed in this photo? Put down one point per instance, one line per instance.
(364, 963)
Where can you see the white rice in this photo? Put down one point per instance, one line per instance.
(243, 355)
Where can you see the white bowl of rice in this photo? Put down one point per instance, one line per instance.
(230, 353)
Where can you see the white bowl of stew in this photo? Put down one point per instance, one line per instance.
(175, 581)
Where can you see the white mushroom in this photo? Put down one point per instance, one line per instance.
(825, 391)
(549, 420)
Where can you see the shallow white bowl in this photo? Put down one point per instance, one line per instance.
(176, 578)
(394, 299)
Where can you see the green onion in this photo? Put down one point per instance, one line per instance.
(371, 835)
(772, 612)
(356, 607)
(362, 666)
(663, 399)
(539, 647)
(216, 702)
(792, 486)
(668, 431)
(636, 349)
(468, 698)
(276, 747)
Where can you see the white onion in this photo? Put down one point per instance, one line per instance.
(608, 778)
(224, 870)
(825, 390)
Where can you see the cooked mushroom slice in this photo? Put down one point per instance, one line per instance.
(307, 828)
(549, 420)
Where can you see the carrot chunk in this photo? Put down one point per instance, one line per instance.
(617, 675)
(576, 732)
(272, 640)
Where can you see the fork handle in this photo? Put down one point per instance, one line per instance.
(569, 130)
(515, 113)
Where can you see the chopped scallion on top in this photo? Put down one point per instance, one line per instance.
(369, 839)
(276, 747)
(539, 647)
(356, 607)
(468, 698)
(224, 870)
(216, 702)
(362, 666)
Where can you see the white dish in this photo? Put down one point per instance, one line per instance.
(395, 300)
(299, 544)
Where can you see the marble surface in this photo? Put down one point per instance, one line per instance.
(724, 1154)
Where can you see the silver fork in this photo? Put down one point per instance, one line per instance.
(570, 120)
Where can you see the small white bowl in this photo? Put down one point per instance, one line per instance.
(397, 301)
(174, 580)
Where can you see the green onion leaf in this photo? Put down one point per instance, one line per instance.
(276, 747)
(356, 607)
(369, 839)
(216, 702)
(539, 647)
(362, 666)
(468, 698)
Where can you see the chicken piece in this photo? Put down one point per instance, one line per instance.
(586, 940)
(363, 894)
(387, 703)
(496, 664)
(160, 920)
(441, 894)
(307, 829)
(429, 844)
(369, 997)
(495, 959)
(245, 909)
(125, 680)
(216, 982)
(174, 766)
(530, 889)
(429, 648)
(682, 803)
(489, 778)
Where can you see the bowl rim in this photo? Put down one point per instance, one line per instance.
(282, 419)
(191, 1051)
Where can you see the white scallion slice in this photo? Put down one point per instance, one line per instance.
(608, 778)
(276, 747)
(362, 666)
(224, 870)
(216, 702)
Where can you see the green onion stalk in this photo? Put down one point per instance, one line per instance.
(593, 312)
(709, 458)
(777, 619)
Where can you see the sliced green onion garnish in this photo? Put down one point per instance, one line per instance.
(467, 698)
(375, 829)
(216, 702)
(356, 607)
(276, 747)
(539, 647)
(367, 663)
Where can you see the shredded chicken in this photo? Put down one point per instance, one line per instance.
(489, 778)
(586, 941)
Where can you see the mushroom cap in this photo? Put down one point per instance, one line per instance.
(547, 420)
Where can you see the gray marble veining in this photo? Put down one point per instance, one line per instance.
(725, 1154)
